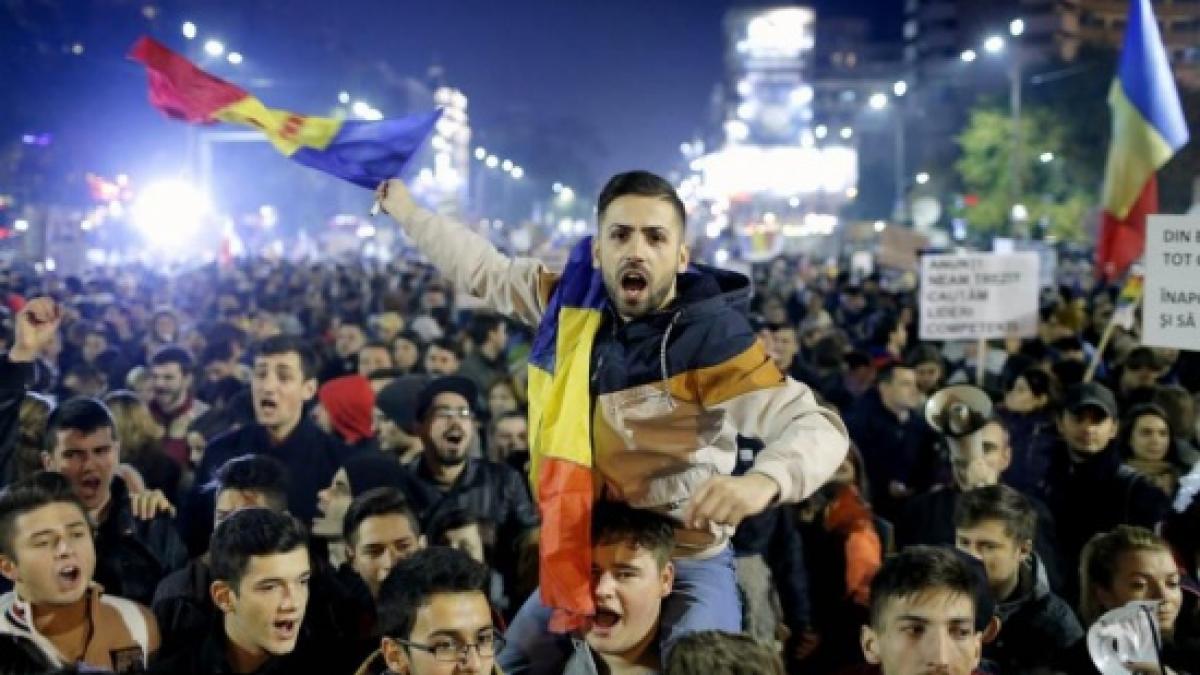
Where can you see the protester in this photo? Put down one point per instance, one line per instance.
(141, 442)
(174, 406)
(487, 361)
(886, 429)
(396, 425)
(1148, 446)
(720, 653)
(380, 530)
(373, 357)
(1030, 397)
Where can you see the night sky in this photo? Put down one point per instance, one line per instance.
(622, 81)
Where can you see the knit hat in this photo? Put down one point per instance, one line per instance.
(368, 471)
(398, 400)
(350, 402)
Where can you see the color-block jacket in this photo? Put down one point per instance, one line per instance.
(670, 391)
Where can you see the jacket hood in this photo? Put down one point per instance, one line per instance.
(704, 292)
(1033, 586)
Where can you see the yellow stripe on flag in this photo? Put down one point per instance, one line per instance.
(287, 131)
(1136, 152)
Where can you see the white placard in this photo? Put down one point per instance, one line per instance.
(1171, 299)
(973, 296)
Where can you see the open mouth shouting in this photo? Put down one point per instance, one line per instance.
(454, 436)
(268, 407)
(635, 283)
(89, 488)
(605, 623)
(285, 630)
(69, 578)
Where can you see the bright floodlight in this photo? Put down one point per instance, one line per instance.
(821, 131)
(900, 88)
(1046, 157)
(877, 101)
(1020, 212)
(214, 48)
(557, 188)
(518, 172)
(234, 57)
(360, 108)
(922, 178)
(480, 154)
(189, 30)
(880, 226)
(968, 55)
(21, 225)
(846, 133)
(170, 212)
(1016, 27)
(507, 165)
(994, 44)
(492, 161)
(567, 195)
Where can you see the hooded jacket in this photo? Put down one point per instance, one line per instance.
(670, 391)
(1033, 615)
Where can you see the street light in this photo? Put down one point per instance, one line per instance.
(480, 153)
(922, 178)
(821, 131)
(234, 58)
(847, 132)
(492, 161)
(189, 30)
(878, 101)
(1046, 157)
(994, 44)
(1016, 27)
(214, 48)
(567, 195)
(344, 97)
(518, 172)
(900, 88)
(968, 55)
(507, 165)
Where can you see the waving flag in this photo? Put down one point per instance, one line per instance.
(364, 153)
(1148, 128)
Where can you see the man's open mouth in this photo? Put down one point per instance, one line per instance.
(634, 281)
(606, 619)
(69, 577)
(285, 629)
(455, 436)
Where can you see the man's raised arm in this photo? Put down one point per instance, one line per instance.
(515, 287)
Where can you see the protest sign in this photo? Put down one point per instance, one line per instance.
(978, 296)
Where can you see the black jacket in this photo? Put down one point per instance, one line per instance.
(1095, 495)
(183, 607)
(133, 555)
(310, 455)
(14, 379)
(892, 450)
(485, 488)
(929, 519)
(205, 653)
(1036, 626)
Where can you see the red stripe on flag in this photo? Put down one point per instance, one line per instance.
(565, 497)
(1122, 242)
(179, 88)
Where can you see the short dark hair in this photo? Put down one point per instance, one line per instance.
(644, 184)
(925, 353)
(174, 354)
(220, 350)
(614, 522)
(448, 345)
(997, 502)
(510, 415)
(29, 494)
(413, 582)
(721, 653)
(887, 372)
(86, 371)
(255, 473)
(278, 345)
(458, 518)
(481, 326)
(248, 533)
(917, 569)
(83, 414)
(380, 501)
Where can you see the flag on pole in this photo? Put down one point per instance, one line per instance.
(1129, 299)
(1148, 128)
(365, 153)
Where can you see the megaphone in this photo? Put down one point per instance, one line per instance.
(958, 411)
(1125, 634)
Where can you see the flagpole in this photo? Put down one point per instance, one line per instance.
(1104, 339)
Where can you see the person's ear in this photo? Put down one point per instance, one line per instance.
(596, 251)
(870, 645)
(394, 656)
(667, 578)
(992, 631)
(8, 568)
(310, 389)
(685, 257)
(223, 596)
(47, 461)
(422, 543)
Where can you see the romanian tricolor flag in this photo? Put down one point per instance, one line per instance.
(560, 437)
(1147, 129)
(364, 153)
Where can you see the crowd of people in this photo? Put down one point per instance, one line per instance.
(277, 466)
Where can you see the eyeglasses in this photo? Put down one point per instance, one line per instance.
(443, 413)
(450, 650)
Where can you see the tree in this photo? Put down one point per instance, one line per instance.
(1058, 193)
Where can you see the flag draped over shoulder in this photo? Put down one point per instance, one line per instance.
(560, 437)
(1148, 128)
(365, 153)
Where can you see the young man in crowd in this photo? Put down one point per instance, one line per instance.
(396, 420)
(380, 530)
(508, 441)
(713, 368)
(133, 553)
(174, 407)
(886, 427)
(47, 551)
(1087, 487)
(923, 616)
(996, 524)
(284, 379)
(349, 339)
(435, 618)
(182, 602)
(632, 574)
(443, 358)
(261, 571)
(36, 327)
(486, 363)
(445, 477)
(374, 356)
